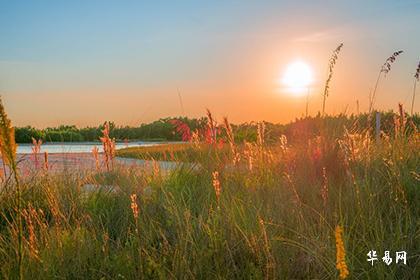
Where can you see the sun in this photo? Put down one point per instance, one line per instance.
(297, 77)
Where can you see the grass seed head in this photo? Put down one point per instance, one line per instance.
(386, 67)
(95, 153)
(417, 74)
(134, 206)
(7, 137)
(216, 185)
(340, 253)
(332, 62)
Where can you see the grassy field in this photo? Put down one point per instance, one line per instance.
(165, 152)
(308, 210)
(177, 152)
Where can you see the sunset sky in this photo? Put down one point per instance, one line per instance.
(83, 62)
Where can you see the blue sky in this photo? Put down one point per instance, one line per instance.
(56, 57)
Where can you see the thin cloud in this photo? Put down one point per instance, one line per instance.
(320, 36)
(346, 32)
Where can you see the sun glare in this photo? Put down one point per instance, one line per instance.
(298, 77)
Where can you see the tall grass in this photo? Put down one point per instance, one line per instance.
(8, 151)
(385, 68)
(332, 62)
(108, 145)
(416, 79)
(289, 209)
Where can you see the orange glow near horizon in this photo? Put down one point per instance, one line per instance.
(137, 63)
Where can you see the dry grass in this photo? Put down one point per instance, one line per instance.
(332, 62)
(416, 79)
(272, 215)
(385, 68)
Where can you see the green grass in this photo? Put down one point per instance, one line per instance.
(178, 152)
(271, 221)
(172, 151)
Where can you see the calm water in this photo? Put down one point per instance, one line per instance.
(84, 147)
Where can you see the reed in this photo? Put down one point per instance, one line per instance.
(217, 186)
(36, 149)
(108, 145)
(229, 134)
(231, 141)
(332, 62)
(134, 206)
(8, 150)
(385, 68)
(95, 153)
(211, 132)
(30, 216)
(416, 79)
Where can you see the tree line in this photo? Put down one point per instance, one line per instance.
(163, 129)
(160, 130)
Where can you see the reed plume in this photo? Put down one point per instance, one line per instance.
(7, 137)
(36, 148)
(283, 143)
(416, 79)
(332, 62)
(231, 140)
(134, 206)
(385, 68)
(249, 155)
(54, 206)
(8, 150)
(211, 134)
(30, 215)
(216, 185)
(195, 138)
(400, 121)
(108, 145)
(95, 153)
(229, 132)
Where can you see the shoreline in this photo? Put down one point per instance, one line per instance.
(83, 161)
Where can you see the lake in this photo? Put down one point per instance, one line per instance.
(79, 147)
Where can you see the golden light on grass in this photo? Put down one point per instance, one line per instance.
(341, 253)
(297, 78)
